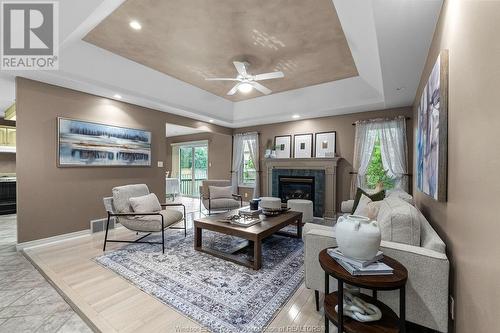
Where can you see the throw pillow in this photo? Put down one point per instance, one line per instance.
(373, 209)
(145, 204)
(374, 197)
(362, 208)
(399, 221)
(219, 192)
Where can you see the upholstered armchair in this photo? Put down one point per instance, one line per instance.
(218, 204)
(118, 206)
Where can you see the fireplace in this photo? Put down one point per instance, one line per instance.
(307, 184)
(296, 187)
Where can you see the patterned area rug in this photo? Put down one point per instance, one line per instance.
(219, 295)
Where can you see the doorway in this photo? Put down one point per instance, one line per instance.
(193, 167)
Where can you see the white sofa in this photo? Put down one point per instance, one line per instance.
(427, 265)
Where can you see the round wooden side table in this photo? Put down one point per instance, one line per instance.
(389, 323)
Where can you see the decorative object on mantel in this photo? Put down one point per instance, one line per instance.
(302, 145)
(432, 134)
(283, 146)
(325, 144)
(83, 143)
(270, 152)
(358, 237)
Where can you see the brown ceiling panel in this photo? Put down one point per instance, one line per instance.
(194, 39)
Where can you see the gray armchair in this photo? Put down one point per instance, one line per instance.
(118, 207)
(219, 204)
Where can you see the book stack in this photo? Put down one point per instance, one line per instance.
(246, 211)
(361, 267)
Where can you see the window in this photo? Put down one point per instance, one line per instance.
(375, 173)
(247, 172)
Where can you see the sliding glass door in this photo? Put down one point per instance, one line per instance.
(193, 168)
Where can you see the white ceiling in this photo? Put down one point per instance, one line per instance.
(389, 41)
(176, 130)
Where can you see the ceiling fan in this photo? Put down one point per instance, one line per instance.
(246, 81)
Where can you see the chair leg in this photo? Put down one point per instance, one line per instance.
(106, 235)
(185, 223)
(162, 237)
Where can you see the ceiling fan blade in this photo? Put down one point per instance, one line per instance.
(240, 67)
(268, 76)
(233, 90)
(220, 79)
(261, 88)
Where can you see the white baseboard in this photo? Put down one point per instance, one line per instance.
(51, 240)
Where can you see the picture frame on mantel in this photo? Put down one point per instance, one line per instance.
(303, 145)
(432, 132)
(283, 146)
(325, 144)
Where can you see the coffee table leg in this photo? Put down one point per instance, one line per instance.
(299, 228)
(341, 305)
(198, 235)
(257, 254)
(402, 309)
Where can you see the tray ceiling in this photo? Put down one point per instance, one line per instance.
(192, 40)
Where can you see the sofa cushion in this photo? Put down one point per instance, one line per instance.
(145, 203)
(217, 192)
(374, 197)
(399, 221)
(151, 223)
(362, 208)
(122, 194)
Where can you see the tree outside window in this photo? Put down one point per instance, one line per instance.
(376, 173)
(248, 173)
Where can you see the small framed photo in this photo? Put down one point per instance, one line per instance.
(283, 146)
(325, 144)
(302, 145)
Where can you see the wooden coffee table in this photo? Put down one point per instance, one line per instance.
(254, 234)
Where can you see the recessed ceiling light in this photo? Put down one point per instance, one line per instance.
(296, 116)
(245, 87)
(117, 96)
(211, 120)
(135, 25)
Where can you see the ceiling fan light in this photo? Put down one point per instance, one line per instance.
(245, 87)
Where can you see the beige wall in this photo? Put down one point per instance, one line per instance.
(467, 221)
(7, 163)
(53, 201)
(219, 152)
(345, 138)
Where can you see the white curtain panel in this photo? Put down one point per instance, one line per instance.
(364, 141)
(393, 148)
(253, 144)
(252, 139)
(237, 160)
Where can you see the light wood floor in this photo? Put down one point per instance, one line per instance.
(108, 303)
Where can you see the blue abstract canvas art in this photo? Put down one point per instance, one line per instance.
(431, 136)
(82, 143)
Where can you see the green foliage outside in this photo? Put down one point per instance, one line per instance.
(375, 172)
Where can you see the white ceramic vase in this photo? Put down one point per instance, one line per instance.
(358, 237)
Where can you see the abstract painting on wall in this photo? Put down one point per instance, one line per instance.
(82, 143)
(432, 135)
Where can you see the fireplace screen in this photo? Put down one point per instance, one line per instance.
(296, 187)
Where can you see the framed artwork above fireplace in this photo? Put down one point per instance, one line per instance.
(325, 144)
(302, 145)
(283, 146)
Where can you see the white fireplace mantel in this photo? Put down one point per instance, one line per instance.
(327, 164)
